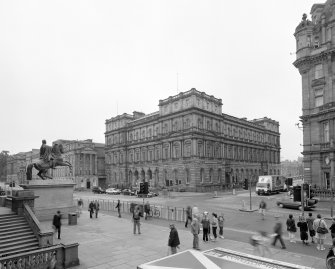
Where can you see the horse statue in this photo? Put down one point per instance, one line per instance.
(50, 158)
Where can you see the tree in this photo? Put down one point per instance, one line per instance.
(3, 165)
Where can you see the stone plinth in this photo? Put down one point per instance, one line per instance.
(53, 195)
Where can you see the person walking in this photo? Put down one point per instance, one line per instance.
(302, 224)
(215, 224)
(57, 223)
(310, 220)
(278, 230)
(319, 224)
(146, 210)
(137, 219)
(262, 208)
(80, 206)
(291, 228)
(173, 239)
(118, 206)
(205, 227)
(188, 215)
(221, 222)
(91, 209)
(96, 208)
(332, 228)
(195, 230)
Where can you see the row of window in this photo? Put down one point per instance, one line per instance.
(226, 129)
(177, 150)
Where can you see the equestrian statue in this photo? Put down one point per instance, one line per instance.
(50, 158)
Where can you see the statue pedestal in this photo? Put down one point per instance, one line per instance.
(53, 195)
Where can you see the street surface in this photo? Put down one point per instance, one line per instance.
(239, 225)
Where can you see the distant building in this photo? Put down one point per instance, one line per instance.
(88, 161)
(189, 144)
(86, 157)
(315, 50)
(16, 168)
(292, 168)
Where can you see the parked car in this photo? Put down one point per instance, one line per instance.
(128, 192)
(152, 194)
(98, 190)
(297, 205)
(113, 191)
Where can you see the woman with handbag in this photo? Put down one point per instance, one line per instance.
(321, 229)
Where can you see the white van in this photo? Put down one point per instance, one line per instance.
(270, 184)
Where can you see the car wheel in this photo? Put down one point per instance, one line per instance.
(281, 205)
(300, 208)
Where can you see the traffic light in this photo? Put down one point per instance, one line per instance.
(245, 184)
(141, 187)
(146, 187)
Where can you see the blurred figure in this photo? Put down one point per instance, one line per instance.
(96, 208)
(195, 230)
(80, 206)
(215, 224)
(221, 222)
(260, 241)
(332, 228)
(118, 206)
(262, 208)
(188, 215)
(137, 219)
(278, 230)
(91, 209)
(147, 210)
(57, 223)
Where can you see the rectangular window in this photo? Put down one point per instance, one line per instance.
(326, 132)
(318, 97)
(318, 71)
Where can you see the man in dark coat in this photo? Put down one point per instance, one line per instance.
(278, 229)
(91, 208)
(173, 239)
(57, 222)
(118, 206)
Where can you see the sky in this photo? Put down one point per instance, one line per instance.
(67, 66)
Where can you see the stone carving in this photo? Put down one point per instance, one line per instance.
(50, 158)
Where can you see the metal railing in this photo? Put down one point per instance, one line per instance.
(158, 211)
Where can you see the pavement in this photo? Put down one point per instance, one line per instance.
(109, 242)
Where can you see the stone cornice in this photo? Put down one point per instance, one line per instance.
(306, 61)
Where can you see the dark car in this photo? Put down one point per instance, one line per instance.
(128, 192)
(152, 194)
(297, 205)
(98, 190)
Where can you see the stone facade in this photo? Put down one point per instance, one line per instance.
(315, 41)
(189, 144)
(16, 167)
(88, 162)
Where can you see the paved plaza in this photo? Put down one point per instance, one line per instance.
(109, 242)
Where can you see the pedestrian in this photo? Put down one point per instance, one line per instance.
(195, 212)
(291, 228)
(91, 209)
(118, 206)
(205, 226)
(96, 208)
(195, 230)
(147, 210)
(188, 215)
(262, 208)
(302, 224)
(260, 242)
(332, 228)
(278, 230)
(320, 227)
(310, 219)
(57, 223)
(215, 224)
(80, 206)
(137, 219)
(221, 221)
(173, 239)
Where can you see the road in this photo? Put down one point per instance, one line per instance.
(239, 225)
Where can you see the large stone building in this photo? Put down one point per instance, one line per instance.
(189, 144)
(16, 167)
(315, 51)
(292, 168)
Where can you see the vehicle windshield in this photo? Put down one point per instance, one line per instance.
(262, 185)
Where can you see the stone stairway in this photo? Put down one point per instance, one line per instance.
(16, 236)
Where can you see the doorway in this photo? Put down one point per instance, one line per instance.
(326, 176)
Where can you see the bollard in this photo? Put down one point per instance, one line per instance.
(234, 192)
(215, 194)
(243, 204)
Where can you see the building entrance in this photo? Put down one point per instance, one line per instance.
(326, 176)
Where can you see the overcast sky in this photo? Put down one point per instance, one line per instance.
(67, 66)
